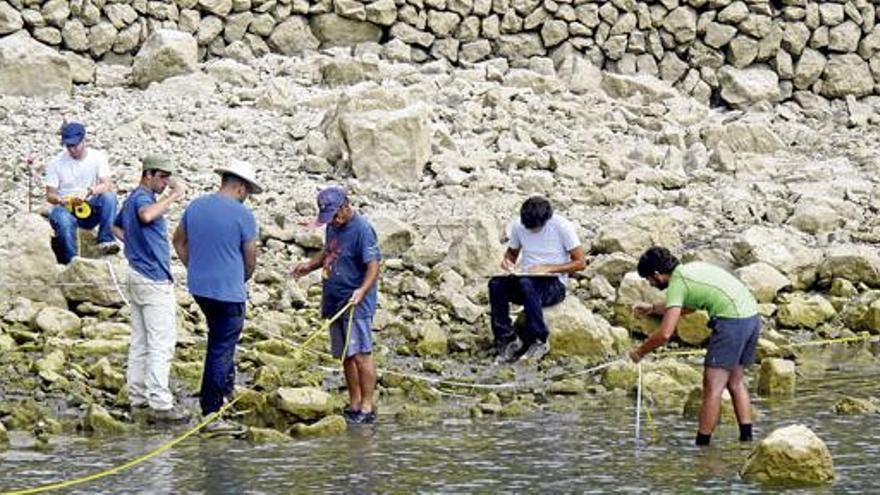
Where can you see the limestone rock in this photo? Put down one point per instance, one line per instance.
(266, 436)
(637, 234)
(388, 147)
(694, 328)
(92, 282)
(164, 54)
(220, 8)
(853, 263)
(293, 36)
(763, 280)
(622, 86)
(395, 237)
(793, 454)
(331, 425)
(24, 243)
(106, 377)
(633, 289)
(776, 377)
(100, 422)
(682, 24)
(812, 217)
(863, 313)
(804, 311)
(305, 403)
(432, 340)
(54, 321)
(29, 68)
(847, 75)
(744, 87)
(477, 250)
(382, 12)
(576, 331)
(850, 406)
(10, 19)
(521, 46)
(779, 250)
(347, 72)
(333, 30)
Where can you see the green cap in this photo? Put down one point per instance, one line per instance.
(158, 162)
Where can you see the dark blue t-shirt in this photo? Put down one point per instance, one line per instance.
(217, 227)
(146, 244)
(347, 251)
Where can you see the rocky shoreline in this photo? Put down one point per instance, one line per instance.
(439, 158)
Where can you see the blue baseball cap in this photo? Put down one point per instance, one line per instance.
(329, 202)
(72, 133)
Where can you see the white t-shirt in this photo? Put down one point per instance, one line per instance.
(550, 246)
(70, 176)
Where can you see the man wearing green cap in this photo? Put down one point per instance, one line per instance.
(141, 226)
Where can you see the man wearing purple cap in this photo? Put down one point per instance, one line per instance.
(350, 260)
(78, 175)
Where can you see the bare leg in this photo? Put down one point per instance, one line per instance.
(714, 381)
(366, 368)
(740, 396)
(350, 368)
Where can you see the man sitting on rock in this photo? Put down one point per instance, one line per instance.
(734, 321)
(75, 178)
(550, 251)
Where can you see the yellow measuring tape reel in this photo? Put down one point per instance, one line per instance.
(81, 211)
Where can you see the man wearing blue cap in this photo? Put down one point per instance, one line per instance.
(350, 260)
(79, 175)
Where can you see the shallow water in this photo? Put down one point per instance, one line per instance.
(588, 449)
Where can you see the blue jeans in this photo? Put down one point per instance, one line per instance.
(533, 293)
(65, 224)
(225, 322)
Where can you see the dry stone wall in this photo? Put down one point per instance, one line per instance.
(720, 51)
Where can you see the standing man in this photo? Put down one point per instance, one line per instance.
(79, 175)
(734, 321)
(350, 260)
(550, 251)
(141, 226)
(217, 242)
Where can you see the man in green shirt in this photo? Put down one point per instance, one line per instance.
(734, 321)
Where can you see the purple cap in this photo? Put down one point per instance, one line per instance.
(329, 202)
(72, 133)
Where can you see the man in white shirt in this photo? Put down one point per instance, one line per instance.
(78, 177)
(550, 251)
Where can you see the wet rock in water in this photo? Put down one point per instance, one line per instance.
(569, 386)
(266, 435)
(793, 454)
(105, 376)
(849, 406)
(763, 280)
(577, 331)
(50, 366)
(518, 407)
(803, 311)
(863, 312)
(433, 340)
(413, 413)
(31, 68)
(331, 425)
(91, 280)
(305, 403)
(166, 53)
(100, 422)
(776, 377)
(55, 322)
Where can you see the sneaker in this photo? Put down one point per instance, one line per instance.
(364, 418)
(223, 427)
(109, 247)
(535, 351)
(508, 351)
(173, 415)
(349, 414)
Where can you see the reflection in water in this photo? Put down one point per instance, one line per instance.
(585, 448)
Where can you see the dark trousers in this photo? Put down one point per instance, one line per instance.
(533, 293)
(225, 322)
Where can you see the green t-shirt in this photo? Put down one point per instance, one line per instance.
(700, 285)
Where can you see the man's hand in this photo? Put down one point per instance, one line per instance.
(357, 296)
(300, 270)
(177, 189)
(633, 355)
(642, 309)
(540, 269)
(75, 201)
(507, 265)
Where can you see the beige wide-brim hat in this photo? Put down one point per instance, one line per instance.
(243, 170)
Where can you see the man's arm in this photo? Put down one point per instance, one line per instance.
(150, 213)
(53, 197)
(304, 268)
(508, 262)
(661, 336)
(181, 246)
(369, 279)
(578, 261)
(250, 258)
(105, 184)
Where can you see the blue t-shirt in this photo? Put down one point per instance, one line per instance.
(217, 227)
(146, 244)
(347, 251)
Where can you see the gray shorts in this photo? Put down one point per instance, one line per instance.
(359, 342)
(733, 342)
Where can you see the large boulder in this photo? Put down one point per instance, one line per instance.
(793, 454)
(53, 321)
(25, 242)
(166, 53)
(863, 313)
(293, 36)
(305, 403)
(637, 233)
(781, 250)
(763, 281)
(846, 75)
(93, 280)
(433, 340)
(744, 87)
(395, 237)
(776, 377)
(388, 146)
(10, 19)
(577, 331)
(333, 30)
(853, 263)
(804, 311)
(30, 68)
(477, 250)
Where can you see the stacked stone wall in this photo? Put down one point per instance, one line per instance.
(736, 52)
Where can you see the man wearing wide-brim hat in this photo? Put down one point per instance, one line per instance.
(217, 241)
(141, 225)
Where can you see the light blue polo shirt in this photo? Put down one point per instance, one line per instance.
(146, 244)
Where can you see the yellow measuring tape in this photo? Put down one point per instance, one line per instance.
(312, 336)
(122, 467)
(81, 211)
(858, 338)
